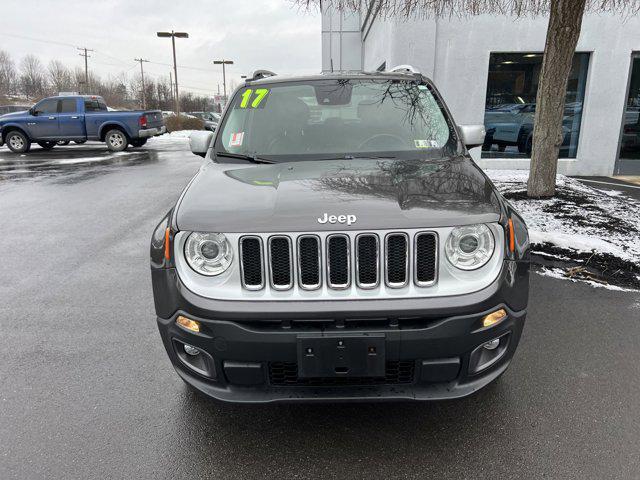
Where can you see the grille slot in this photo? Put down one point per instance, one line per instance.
(426, 258)
(309, 262)
(252, 264)
(284, 374)
(338, 261)
(397, 259)
(280, 265)
(367, 260)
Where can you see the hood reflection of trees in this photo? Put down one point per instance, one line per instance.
(415, 184)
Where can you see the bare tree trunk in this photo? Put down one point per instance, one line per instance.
(565, 21)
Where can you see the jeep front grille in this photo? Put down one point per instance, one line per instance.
(334, 260)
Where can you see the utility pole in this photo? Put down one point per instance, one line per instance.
(173, 36)
(144, 93)
(171, 87)
(86, 64)
(224, 76)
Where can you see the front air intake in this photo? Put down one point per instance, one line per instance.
(338, 261)
(280, 264)
(397, 259)
(252, 264)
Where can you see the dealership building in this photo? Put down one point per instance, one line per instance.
(487, 69)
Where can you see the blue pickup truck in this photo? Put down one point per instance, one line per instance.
(78, 118)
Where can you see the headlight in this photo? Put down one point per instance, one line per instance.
(208, 253)
(469, 247)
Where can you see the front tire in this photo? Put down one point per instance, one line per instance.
(138, 142)
(17, 142)
(62, 143)
(116, 140)
(79, 142)
(47, 145)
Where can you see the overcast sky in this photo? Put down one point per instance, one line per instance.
(269, 34)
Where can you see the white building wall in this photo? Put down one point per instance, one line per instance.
(341, 41)
(461, 48)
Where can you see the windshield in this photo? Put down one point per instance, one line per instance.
(341, 118)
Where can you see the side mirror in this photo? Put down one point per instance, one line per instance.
(472, 135)
(33, 112)
(199, 142)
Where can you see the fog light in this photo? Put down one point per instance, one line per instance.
(492, 345)
(494, 318)
(187, 323)
(191, 350)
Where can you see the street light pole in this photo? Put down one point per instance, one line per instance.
(224, 75)
(173, 36)
(144, 93)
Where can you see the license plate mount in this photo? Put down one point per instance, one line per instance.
(329, 355)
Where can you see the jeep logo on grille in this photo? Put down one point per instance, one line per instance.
(348, 219)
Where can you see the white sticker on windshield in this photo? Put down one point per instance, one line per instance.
(236, 139)
(423, 87)
(421, 143)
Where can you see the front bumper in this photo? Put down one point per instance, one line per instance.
(245, 342)
(152, 132)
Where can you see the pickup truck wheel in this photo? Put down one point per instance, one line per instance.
(17, 142)
(62, 143)
(138, 142)
(47, 145)
(116, 140)
(79, 142)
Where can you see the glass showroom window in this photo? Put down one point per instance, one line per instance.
(511, 104)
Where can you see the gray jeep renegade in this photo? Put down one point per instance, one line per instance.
(339, 243)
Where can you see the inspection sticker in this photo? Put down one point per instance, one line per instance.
(421, 143)
(236, 139)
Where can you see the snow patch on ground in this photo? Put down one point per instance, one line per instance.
(597, 230)
(578, 217)
(177, 136)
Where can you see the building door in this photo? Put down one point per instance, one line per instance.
(628, 161)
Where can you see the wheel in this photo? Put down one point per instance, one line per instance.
(47, 145)
(62, 143)
(17, 142)
(138, 142)
(529, 145)
(116, 140)
(523, 136)
(488, 141)
(79, 142)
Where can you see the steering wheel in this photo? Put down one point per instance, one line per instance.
(395, 138)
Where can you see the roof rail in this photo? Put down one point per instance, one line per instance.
(258, 74)
(404, 69)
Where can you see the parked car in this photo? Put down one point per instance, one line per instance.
(210, 119)
(356, 254)
(4, 109)
(78, 118)
(509, 125)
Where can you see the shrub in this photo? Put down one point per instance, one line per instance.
(174, 123)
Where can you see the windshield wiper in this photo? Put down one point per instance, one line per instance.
(353, 157)
(251, 158)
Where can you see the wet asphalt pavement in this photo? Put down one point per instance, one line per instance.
(88, 392)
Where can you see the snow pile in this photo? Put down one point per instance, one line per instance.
(599, 230)
(179, 136)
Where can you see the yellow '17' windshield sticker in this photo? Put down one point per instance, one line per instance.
(258, 95)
